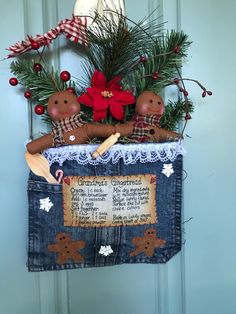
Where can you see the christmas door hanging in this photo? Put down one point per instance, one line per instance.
(105, 182)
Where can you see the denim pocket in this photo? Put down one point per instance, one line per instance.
(46, 221)
(45, 217)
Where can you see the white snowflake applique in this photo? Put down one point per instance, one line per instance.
(46, 204)
(72, 138)
(105, 250)
(167, 170)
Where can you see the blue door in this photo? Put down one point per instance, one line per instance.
(202, 277)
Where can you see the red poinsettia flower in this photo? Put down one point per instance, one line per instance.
(102, 95)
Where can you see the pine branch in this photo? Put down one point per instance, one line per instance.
(41, 84)
(174, 113)
(164, 58)
(115, 47)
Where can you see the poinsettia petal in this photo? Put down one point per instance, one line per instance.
(124, 97)
(117, 110)
(98, 79)
(100, 103)
(99, 115)
(113, 84)
(86, 100)
(94, 92)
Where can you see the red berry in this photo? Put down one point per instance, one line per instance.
(65, 76)
(176, 49)
(27, 94)
(37, 67)
(71, 89)
(185, 93)
(35, 45)
(176, 81)
(209, 93)
(13, 81)
(39, 109)
(204, 94)
(143, 59)
(155, 75)
(187, 116)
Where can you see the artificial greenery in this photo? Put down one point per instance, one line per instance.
(42, 84)
(141, 53)
(175, 112)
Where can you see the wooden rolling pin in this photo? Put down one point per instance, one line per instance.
(108, 143)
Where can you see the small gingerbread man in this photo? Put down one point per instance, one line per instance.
(149, 109)
(67, 248)
(148, 243)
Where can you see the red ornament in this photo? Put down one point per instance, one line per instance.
(65, 76)
(204, 94)
(188, 116)
(39, 109)
(142, 59)
(13, 81)
(37, 67)
(71, 89)
(155, 75)
(209, 93)
(35, 45)
(27, 94)
(176, 81)
(176, 49)
(185, 93)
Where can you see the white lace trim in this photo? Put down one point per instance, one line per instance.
(130, 153)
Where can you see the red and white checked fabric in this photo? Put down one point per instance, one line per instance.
(75, 29)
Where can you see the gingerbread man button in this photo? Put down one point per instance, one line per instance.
(148, 243)
(67, 248)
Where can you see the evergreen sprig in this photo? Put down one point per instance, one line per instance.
(41, 84)
(116, 48)
(175, 112)
(164, 58)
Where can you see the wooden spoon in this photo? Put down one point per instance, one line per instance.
(40, 166)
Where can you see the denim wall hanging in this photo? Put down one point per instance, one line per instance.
(125, 206)
(132, 236)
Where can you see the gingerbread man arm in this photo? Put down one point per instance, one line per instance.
(80, 135)
(163, 135)
(38, 145)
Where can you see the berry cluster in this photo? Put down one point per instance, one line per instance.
(65, 76)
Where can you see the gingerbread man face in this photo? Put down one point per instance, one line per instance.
(62, 105)
(149, 103)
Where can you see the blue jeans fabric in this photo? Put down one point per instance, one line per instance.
(44, 226)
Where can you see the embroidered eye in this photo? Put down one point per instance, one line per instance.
(159, 103)
(56, 102)
(65, 101)
(150, 100)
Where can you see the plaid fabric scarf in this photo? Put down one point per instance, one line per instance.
(141, 123)
(65, 125)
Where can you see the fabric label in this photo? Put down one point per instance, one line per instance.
(109, 201)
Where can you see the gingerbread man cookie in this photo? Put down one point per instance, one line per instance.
(148, 243)
(67, 248)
